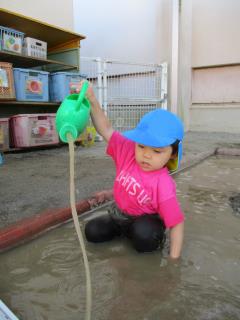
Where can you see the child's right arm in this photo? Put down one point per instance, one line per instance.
(100, 120)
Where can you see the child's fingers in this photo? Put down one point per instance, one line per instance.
(100, 196)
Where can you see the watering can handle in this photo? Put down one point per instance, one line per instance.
(81, 95)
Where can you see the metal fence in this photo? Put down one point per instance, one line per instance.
(126, 90)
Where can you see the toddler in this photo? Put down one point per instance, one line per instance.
(145, 201)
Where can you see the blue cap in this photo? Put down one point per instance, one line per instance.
(159, 128)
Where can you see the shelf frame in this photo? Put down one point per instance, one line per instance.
(30, 62)
(56, 37)
(29, 103)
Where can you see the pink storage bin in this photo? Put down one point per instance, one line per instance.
(29, 130)
(4, 134)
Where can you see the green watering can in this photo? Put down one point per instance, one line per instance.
(73, 114)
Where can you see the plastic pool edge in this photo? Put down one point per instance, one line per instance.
(28, 228)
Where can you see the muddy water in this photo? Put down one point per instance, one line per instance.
(45, 279)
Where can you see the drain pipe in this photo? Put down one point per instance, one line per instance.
(174, 56)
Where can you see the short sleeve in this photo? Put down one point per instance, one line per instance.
(171, 213)
(114, 144)
(119, 148)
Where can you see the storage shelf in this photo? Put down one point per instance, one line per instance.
(30, 103)
(63, 52)
(53, 35)
(30, 62)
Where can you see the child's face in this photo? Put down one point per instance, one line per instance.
(150, 159)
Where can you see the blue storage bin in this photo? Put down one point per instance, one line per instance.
(61, 84)
(11, 40)
(31, 85)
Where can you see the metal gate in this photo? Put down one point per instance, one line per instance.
(126, 90)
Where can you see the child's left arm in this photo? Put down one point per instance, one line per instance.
(176, 240)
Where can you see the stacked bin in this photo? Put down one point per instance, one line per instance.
(7, 91)
(11, 40)
(29, 130)
(61, 84)
(35, 48)
(4, 134)
(31, 85)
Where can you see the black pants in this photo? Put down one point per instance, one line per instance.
(147, 232)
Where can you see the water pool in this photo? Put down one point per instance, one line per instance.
(45, 279)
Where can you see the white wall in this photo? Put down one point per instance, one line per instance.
(128, 30)
(216, 85)
(54, 12)
(215, 33)
(223, 118)
(216, 99)
(215, 41)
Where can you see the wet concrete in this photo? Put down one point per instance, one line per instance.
(234, 201)
(31, 182)
(46, 279)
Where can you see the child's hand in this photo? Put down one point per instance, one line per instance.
(90, 93)
(101, 197)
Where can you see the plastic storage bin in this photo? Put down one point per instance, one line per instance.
(29, 130)
(61, 84)
(11, 40)
(4, 134)
(31, 85)
(35, 48)
(7, 91)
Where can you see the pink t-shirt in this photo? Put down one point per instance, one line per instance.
(138, 192)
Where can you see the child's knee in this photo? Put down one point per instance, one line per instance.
(100, 229)
(91, 231)
(147, 234)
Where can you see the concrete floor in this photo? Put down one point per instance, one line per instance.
(33, 181)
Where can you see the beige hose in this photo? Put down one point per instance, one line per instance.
(78, 229)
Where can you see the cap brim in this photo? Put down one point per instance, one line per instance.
(147, 139)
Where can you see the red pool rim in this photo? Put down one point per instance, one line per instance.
(28, 228)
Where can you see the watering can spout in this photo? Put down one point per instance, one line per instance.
(73, 114)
